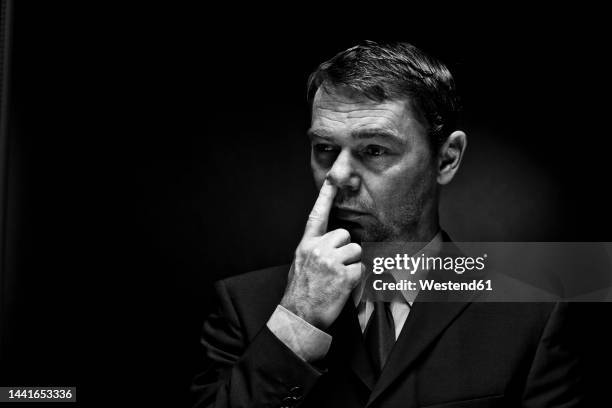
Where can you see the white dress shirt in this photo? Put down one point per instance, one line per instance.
(310, 343)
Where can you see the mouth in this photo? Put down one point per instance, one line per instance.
(348, 214)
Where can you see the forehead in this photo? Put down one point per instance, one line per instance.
(342, 109)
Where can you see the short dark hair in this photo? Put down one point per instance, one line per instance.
(395, 71)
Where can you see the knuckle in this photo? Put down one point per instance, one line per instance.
(328, 263)
(305, 245)
(355, 247)
(313, 217)
(300, 251)
(342, 233)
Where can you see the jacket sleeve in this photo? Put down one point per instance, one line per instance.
(262, 372)
(554, 379)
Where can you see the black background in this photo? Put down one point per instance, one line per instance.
(151, 154)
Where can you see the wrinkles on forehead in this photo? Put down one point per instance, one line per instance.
(344, 110)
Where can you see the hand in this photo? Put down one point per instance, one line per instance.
(326, 267)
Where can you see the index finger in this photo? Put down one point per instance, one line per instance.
(317, 220)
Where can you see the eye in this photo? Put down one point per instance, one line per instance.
(324, 148)
(375, 150)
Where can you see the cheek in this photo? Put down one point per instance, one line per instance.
(386, 192)
(381, 192)
(398, 185)
(318, 174)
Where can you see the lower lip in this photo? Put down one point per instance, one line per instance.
(349, 215)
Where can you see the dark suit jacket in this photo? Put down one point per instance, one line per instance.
(448, 355)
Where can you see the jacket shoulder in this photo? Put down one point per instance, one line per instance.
(259, 281)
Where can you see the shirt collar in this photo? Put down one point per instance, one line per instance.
(432, 248)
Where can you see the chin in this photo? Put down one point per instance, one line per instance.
(357, 234)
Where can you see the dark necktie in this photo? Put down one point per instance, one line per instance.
(380, 334)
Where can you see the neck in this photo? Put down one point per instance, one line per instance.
(422, 233)
(426, 227)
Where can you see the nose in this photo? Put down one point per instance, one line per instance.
(343, 174)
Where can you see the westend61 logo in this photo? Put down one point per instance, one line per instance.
(459, 265)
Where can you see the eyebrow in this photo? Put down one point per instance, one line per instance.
(359, 134)
(377, 132)
(322, 133)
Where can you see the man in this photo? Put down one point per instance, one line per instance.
(384, 141)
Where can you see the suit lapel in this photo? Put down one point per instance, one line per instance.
(425, 323)
(348, 346)
(430, 315)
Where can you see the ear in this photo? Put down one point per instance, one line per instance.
(450, 155)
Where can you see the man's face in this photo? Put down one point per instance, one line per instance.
(378, 156)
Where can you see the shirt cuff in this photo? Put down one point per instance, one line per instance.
(305, 340)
